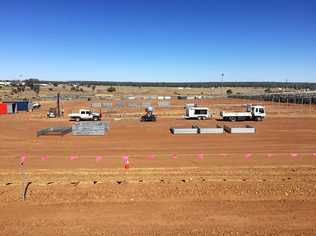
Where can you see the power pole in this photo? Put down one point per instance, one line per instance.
(222, 76)
(58, 105)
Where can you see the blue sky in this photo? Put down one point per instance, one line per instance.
(161, 40)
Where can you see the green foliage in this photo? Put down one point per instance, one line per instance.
(31, 83)
(268, 90)
(74, 89)
(301, 85)
(229, 91)
(111, 89)
(36, 88)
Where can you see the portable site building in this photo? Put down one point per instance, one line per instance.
(15, 106)
(3, 108)
(11, 107)
(22, 105)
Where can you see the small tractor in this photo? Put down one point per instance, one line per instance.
(149, 116)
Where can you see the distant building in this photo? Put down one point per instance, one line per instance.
(5, 83)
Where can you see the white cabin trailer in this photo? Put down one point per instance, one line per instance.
(200, 113)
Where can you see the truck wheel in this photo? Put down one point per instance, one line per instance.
(199, 118)
(232, 118)
(78, 119)
(95, 118)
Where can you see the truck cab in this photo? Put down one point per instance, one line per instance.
(85, 114)
(258, 112)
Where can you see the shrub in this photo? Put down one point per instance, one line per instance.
(111, 89)
(229, 91)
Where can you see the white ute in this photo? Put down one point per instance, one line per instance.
(254, 112)
(85, 115)
(195, 112)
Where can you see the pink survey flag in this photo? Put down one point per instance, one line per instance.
(125, 158)
(44, 158)
(248, 156)
(269, 155)
(151, 157)
(22, 159)
(174, 156)
(98, 158)
(200, 156)
(72, 158)
(294, 155)
(314, 154)
(126, 162)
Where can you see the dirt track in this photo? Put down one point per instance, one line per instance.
(223, 193)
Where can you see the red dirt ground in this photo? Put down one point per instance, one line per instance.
(225, 193)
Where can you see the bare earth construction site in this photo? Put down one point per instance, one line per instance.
(201, 184)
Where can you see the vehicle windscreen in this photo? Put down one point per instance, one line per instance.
(200, 112)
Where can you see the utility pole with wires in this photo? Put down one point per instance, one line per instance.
(58, 105)
(222, 84)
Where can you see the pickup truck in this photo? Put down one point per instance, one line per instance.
(85, 115)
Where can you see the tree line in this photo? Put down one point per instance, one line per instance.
(294, 85)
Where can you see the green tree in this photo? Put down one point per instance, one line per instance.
(111, 89)
(229, 92)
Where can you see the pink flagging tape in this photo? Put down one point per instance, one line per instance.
(200, 156)
(44, 158)
(98, 158)
(174, 156)
(151, 157)
(248, 156)
(22, 159)
(294, 155)
(269, 155)
(72, 158)
(126, 164)
(314, 155)
(125, 158)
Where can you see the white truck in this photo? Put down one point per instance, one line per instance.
(253, 112)
(85, 115)
(195, 112)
